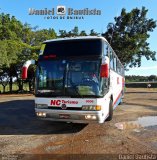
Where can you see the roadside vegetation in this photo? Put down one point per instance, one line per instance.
(133, 78)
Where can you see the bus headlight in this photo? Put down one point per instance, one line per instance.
(93, 117)
(91, 107)
(41, 114)
(40, 106)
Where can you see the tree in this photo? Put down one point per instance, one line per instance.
(152, 77)
(93, 33)
(13, 55)
(10, 52)
(26, 34)
(75, 33)
(4, 79)
(10, 27)
(83, 33)
(62, 33)
(128, 36)
(18, 43)
(41, 35)
(3, 54)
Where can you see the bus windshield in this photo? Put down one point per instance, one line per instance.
(69, 78)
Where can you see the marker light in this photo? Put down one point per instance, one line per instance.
(50, 56)
(91, 107)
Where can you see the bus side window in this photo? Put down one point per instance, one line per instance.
(105, 53)
(111, 60)
(118, 67)
(115, 63)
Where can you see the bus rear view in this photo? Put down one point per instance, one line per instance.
(73, 81)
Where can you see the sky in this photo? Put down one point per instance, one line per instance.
(109, 9)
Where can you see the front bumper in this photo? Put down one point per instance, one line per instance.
(71, 116)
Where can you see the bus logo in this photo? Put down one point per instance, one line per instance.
(55, 102)
(63, 106)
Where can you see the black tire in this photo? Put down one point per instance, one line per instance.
(121, 102)
(110, 111)
(122, 96)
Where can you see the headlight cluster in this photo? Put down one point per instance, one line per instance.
(41, 106)
(41, 114)
(91, 107)
(93, 117)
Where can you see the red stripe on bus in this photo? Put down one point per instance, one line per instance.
(117, 98)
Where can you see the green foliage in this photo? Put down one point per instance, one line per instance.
(128, 36)
(9, 51)
(93, 33)
(10, 27)
(18, 43)
(75, 33)
(152, 78)
(41, 35)
(3, 53)
(133, 78)
(83, 33)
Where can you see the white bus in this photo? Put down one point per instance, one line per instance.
(79, 80)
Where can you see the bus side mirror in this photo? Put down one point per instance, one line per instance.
(25, 68)
(104, 69)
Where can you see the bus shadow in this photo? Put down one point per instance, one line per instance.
(18, 118)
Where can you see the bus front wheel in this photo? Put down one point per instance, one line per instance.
(110, 111)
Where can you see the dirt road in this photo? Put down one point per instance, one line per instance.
(133, 130)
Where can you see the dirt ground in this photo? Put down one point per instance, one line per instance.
(23, 136)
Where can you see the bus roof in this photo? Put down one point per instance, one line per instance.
(75, 38)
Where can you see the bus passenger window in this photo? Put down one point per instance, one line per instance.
(106, 52)
(111, 60)
(115, 63)
(118, 66)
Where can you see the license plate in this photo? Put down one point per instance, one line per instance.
(64, 116)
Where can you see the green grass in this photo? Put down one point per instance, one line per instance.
(14, 87)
